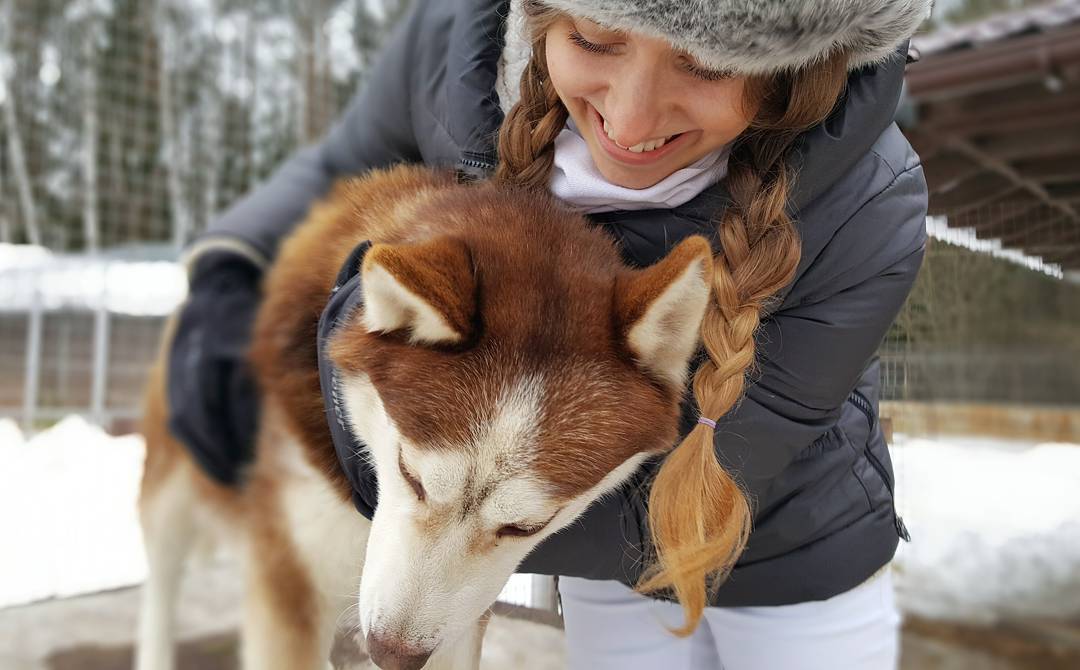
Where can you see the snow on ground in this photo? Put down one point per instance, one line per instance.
(68, 515)
(995, 528)
(995, 524)
(67, 512)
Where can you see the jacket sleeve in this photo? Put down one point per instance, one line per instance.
(376, 130)
(810, 356)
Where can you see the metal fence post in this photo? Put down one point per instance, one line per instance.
(33, 362)
(544, 596)
(101, 362)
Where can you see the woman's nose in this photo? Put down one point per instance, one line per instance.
(636, 108)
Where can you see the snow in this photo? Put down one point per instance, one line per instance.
(995, 526)
(966, 237)
(67, 512)
(59, 281)
(995, 523)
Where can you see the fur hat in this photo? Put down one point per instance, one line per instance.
(761, 36)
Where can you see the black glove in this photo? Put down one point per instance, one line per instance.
(213, 400)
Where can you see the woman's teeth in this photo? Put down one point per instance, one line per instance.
(637, 148)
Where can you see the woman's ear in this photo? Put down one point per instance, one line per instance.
(427, 288)
(660, 309)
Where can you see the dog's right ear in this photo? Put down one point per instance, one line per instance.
(660, 309)
(428, 288)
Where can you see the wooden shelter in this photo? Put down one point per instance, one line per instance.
(994, 112)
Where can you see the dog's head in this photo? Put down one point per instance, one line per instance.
(503, 375)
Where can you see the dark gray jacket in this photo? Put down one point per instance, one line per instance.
(805, 441)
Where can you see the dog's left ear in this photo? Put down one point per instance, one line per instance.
(428, 288)
(660, 309)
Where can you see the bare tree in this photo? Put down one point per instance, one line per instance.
(170, 142)
(16, 154)
(91, 36)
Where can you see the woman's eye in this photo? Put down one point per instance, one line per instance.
(517, 530)
(585, 44)
(706, 73)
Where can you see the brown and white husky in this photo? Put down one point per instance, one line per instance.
(504, 371)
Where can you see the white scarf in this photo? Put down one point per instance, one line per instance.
(576, 180)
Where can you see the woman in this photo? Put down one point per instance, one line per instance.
(766, 125)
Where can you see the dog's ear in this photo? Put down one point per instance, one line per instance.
(660, 309)
(428, 288)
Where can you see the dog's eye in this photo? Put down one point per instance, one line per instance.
(518, 530)
(417, 487)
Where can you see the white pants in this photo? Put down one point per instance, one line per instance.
(610, 627)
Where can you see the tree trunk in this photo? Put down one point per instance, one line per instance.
(16, 155)
(171, 152)
(90, 142)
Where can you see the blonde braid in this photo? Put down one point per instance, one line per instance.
(699, 518)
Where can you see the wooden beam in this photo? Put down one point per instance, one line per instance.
(1005, 112)
(995, 65)
(1051, 169)
(1030, 144)
(1003, 168)
(982, 189)
(945, 170)
(1069, 192)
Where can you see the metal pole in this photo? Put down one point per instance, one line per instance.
(101, 356)
(544, 596)
(33, 362)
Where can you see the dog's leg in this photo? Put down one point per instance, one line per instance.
(463, 653)
(283, 627)
(167, 516)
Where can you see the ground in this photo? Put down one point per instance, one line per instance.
(94, 632)
(991, 580)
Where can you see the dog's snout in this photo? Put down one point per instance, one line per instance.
(391, 654)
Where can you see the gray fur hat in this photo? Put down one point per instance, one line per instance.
(762, 36)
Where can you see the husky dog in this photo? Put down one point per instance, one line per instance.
(504, 370)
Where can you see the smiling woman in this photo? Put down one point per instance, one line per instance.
(644, 109)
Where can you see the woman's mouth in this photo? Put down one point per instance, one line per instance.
(643, 153)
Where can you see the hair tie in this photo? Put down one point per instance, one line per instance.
(708, 422)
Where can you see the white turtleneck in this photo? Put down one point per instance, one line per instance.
(576, 180)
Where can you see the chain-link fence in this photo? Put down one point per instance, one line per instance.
(124, 127)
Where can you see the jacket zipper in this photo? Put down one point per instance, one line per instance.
(477, 164)
(863, 404)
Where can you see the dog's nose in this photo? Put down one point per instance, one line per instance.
(391, 654)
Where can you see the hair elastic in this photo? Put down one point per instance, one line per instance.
(708, 422)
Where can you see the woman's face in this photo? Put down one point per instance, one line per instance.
(644, 109)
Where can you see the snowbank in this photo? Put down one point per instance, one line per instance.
(67, 512)
(995, 528)
(29, 273)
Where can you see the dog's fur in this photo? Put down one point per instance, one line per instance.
(504, 371)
